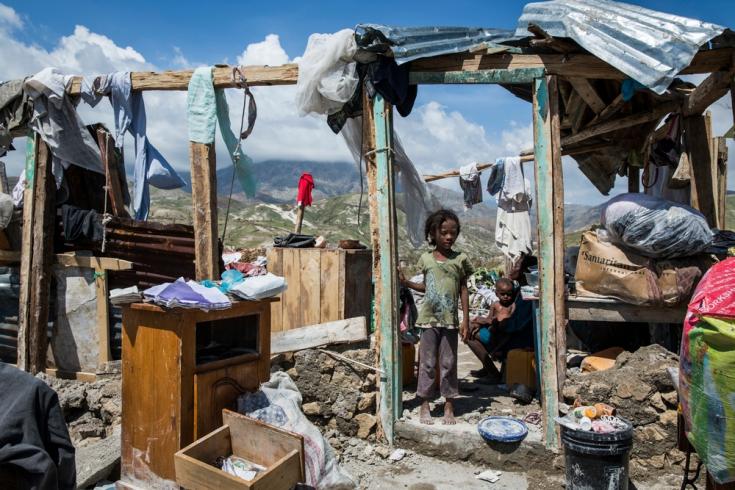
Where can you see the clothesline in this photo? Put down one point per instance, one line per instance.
(480, 167)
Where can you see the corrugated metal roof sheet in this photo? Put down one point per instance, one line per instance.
(410, 43)
(650, 47)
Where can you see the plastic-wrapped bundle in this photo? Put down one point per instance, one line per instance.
(707, 371)
(655, 227)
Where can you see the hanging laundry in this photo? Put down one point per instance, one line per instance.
(187, 294)
(306, 185)
(129, 111)
(469, 181)
(513, 223)
(56, 121)
(205, 108)
(16, 109)
(497, 177)
(81, 224)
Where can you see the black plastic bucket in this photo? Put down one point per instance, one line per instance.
(597, 461)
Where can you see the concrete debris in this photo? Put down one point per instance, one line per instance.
(336, 395)
(97, 461)
(640, 387)
(397, 455)
(91, 410)
(489, 476)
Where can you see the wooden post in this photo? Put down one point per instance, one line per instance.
(103, 316)
(634, 179)
(377, 148)
(4, 187)
(204, 197)
(721, 154)
(299, 218)
(112, 173)
(699, 148)
(36, 257)
(550, 206)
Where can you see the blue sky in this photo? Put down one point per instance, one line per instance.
(173, 35)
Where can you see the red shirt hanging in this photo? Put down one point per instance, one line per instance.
(306, 184)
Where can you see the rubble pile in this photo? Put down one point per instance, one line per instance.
(337, 394)
(642, 390)
(91, 410)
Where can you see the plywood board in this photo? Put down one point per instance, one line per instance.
(291, 301)
(310, 263)
(275, 266)
(330, 286)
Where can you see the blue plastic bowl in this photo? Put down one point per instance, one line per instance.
(502, 429)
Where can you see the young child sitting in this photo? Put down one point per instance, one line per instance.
(445, 285)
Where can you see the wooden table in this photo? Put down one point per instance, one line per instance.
(180, 368)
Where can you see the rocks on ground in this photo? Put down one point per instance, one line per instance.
(640, 387)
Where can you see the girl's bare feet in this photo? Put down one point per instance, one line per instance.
(425, 413)
(449, 413)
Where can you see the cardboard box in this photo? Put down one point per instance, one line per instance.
(279, 451)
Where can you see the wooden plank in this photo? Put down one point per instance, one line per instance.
(310, 264)
(329, 285)
(105, 263)
(29, 202)
(621, 312)
(358, 282)
(712, 88)
(291, 299)
(38, 229)
(610, 110)
(285, 473)
(336, 332)
(78, 376)
(275, 266)
(572, 64)
(10, 256)
(519, 75)
(546, 176)
(4, 187)
(383, 227)
(698, 147)
(588, 93)
(621, 123)
(222, 78)
(204, 197)
(103, 316)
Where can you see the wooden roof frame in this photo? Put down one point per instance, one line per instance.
(539, 70)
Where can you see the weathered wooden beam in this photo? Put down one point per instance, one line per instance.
(104, 263)
(588, 93)
(112, 173)
(9, 256)
(712, 88)
(720, 146)
(550, 203)
(610, 110)
(379, 156)
(179, 80)
(519, 75)
(204, 199)
(624, 122)
(103, 316)
(570, 65)
(36, 257)
(336, 332)
(4, 187)
(634, 179)
(699, 150)
(546, 40)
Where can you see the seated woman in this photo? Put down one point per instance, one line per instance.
(509, 325)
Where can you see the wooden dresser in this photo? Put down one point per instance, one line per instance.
(180, 368)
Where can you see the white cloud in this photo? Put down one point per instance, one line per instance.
(9, 17)
(267, 52)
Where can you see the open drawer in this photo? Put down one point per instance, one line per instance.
(279, 451)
